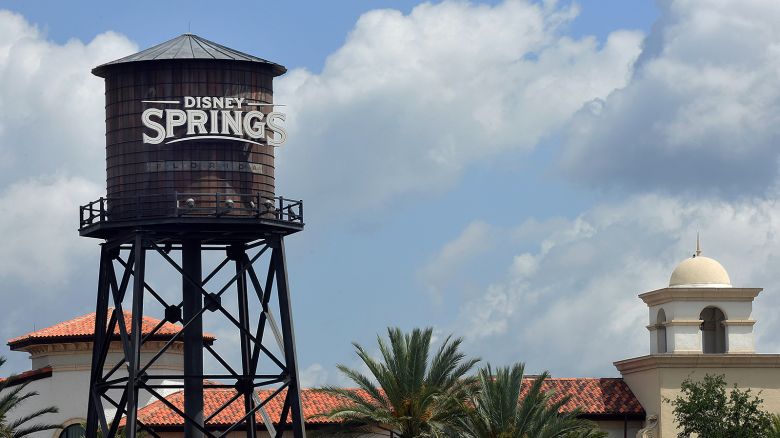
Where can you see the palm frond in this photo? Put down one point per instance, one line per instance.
(501, 408)
(12, 396)
(19, 422)
(408, 392)
(364, 382)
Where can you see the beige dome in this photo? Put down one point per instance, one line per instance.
(699, 271)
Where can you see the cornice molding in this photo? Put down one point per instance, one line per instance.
(684, 322)
(66, 348)
(669, 294)
(747, 322)
(88, 367)
(697, 360)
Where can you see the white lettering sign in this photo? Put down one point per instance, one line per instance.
(211, 117)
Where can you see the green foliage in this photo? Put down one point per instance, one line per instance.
(706, 408)
(11, 398)
(120, 433)
(415, 396)
(500, 412)
(774, 428)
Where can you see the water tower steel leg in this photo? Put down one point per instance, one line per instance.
(94, 406)
(193, 337)
(118, 320)
(238, 253)
(139, 266)
(288, 334)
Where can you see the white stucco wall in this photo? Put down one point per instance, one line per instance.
(739, 337)
(618, 429)
(682, 308)
(67, 388)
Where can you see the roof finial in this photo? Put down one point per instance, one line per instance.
(698, 245)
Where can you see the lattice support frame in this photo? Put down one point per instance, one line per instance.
(123, 269)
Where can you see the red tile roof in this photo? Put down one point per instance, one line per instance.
(27, 376)
(158, 414)
(595, 396)
(82, 328)
(608, 397)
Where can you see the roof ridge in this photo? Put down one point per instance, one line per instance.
(181, 46)
(197, 41)
(221, 49)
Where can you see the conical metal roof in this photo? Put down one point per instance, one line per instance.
(188, 46)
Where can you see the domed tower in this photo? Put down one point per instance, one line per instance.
(191, 129)
(699, 324)
(700, 311)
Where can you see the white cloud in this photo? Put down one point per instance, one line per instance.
(701, 112)
(524, 265)
(475, 240)
(51, 106)
(315, 375)
(409, 101)
(52, 157)
(39, 227)
(571, 305)
(52, 150)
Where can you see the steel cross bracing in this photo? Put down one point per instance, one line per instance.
(117, 386)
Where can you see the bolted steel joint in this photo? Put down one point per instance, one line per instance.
(234, 252)
(173, 314)
(212, 302)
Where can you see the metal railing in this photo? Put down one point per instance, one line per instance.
(184, 204)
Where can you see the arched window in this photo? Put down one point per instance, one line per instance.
(660, 328)
(713, 331)
(73, 431)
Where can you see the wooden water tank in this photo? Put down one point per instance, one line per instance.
(206, 163)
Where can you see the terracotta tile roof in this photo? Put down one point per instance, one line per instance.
(608, 397)
(27, 376)
(82, 328)
(594, 396)
(158, 414)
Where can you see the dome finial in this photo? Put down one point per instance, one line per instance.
(698, 245)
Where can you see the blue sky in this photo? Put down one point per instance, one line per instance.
(512, 172)
(294, 33)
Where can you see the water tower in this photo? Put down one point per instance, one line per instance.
(191, 128)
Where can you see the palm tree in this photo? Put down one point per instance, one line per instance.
(11, 397)
(499, 410)
(415, 396)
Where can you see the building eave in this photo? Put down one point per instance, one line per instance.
(669, 294)
(697, 360)
(614, 417)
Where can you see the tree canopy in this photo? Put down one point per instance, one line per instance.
(500, 410)
(409, 394)
(708, 409)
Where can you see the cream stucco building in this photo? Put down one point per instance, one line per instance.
(700, 324)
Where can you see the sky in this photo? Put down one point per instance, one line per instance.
(510, 172)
